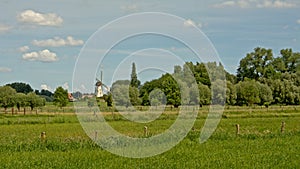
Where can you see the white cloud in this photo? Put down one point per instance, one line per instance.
(46, 87)
(276, 4)
(5, 70)
(298, 21)
(189, 23)
(43, 19)
(243, 3)
(66, 86)
(225, 4)
(130, 8)
(256, 4)
(5, 28)
(42, 56)
(24, 49)
(238, 3)
(57, 41)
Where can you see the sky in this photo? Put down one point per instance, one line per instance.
(45, 43)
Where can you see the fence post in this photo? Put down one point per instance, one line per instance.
(43, 136)
(282, 127)
(96, 135)
(145, 131)
(237, 129)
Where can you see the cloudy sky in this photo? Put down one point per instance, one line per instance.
(41, 41)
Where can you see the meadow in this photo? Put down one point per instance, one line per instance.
(260, 143)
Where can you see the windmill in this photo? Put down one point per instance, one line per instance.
(99, 86)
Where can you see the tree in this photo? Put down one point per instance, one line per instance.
(46, 93)
(21, 101)
(134, 96)
(134, 82)
(218, 90)
(34, 100)
(230, 94)
(120, 93)
(290, 60)
(7, 95)
(109, 100)
(171, 89)
(248, 92)
(204, 94)
(145, 99)
(21, 87)
(194, 95)
(157, 97)
(256, 64)
(60, 97)
(265, 94)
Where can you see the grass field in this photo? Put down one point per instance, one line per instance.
(260, 144)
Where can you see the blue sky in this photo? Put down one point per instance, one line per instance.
(40, 41)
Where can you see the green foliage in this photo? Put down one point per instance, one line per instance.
(204, 94)
(247, 92)
(108, 99)
(21, 100)
(255, 64)
(7, 94)
(171, 89)
(120, 94)
(134, 96)
(157, 97)
(60, 97)
(134, 82)
(34, 100)
(21, 87)
(230, 94)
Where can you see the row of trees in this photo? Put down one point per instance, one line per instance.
(10, 98)
(261, 79)
(13, 95)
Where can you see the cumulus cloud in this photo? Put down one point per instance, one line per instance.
(225, 4)
(4, 28)
(46, 87)
(57, 42)
(256, 4)
(24, 49)
(66, 86)
(5, 69)
(238, 3)
(43, 19)
(130, 8)
(276, 4)
(298, 21)
(42, 56)
(189, 23)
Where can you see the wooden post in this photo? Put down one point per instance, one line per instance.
(237, 129)
(145, 131)
(43, 136)
(282, 127)
(96, 135)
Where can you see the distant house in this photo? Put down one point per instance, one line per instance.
(70, 97)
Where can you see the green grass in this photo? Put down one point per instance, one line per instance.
(260, 143)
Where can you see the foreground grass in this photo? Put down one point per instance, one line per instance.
(259, 145)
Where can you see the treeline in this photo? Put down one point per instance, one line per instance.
(261, 79)
(20, 95)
